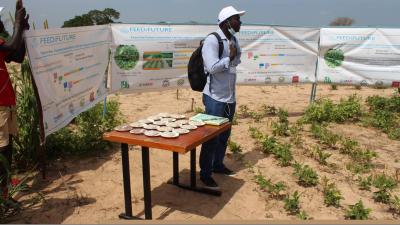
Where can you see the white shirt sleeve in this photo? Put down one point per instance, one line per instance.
(212, 63)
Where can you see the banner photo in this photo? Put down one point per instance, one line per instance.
(154, 57)
(277, 55)
(359, 56)
(69, 67)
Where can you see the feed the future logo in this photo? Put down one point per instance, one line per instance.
(334, 57)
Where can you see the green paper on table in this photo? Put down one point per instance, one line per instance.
(209, 119)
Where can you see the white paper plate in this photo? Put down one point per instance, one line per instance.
(182, 122)
(169, 134)
(159, 123)
(176, 116)
(146, 121)
(164, 129)
(172, 124)
(136, 125)
(137, 131)
(189, 127)
(152, 133)
(154, 118)
(181, 131)
(197, 123)
(123, 128)
(150, 127)
(163, 115)
(168, 120)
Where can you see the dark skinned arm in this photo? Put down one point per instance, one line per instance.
(16, 41)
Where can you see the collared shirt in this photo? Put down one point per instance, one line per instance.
(222, 71)
(7, 95)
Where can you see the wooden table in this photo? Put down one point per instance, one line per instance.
(181, 145)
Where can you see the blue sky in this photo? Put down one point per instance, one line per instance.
(309, 13)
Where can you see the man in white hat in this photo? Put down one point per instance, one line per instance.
(12, 50)
(219, 93)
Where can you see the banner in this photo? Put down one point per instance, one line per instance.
(277, 55)
(148, 57)
(359, 56)
(69, 67)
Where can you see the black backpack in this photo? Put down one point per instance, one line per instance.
(196, 74)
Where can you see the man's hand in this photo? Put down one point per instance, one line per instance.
(20, 14)
(232, 51)
(26, 23)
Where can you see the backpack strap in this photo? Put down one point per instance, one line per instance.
(220, 51)
(220, 43)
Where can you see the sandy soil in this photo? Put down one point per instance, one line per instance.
(89, 190)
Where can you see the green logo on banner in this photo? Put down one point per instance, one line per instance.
(327, 80)
(124, 84)
(334, 57)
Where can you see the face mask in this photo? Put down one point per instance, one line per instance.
(230, 29)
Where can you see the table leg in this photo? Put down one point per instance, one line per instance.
(192, 186)
(127, 183)
(193, 168)
(146, 183)
(175, 160)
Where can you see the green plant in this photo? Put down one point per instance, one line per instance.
(281, 128)
(8, 206)
(357, 212)
(325, 136)
(277, 189)
(303, 216)
(319, 155)
(348, 145)
(244, 111)
(27, 144)
(319, 111)
(296, 138)
(332, 194)
(325, 110)
(365, 183)
(359, 168)
(269, 110)
(86, 134)
(261, 181)
(395, 204)
(256, 133)
(347, 109)
(234, 147)
(292, 203)
(384, 184)
(306, 175)
(268, 145)
(283, 154)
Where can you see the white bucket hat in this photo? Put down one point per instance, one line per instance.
(228, 12)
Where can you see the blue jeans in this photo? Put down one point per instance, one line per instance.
(213, 151)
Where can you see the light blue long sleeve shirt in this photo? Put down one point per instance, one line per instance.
(222, 71)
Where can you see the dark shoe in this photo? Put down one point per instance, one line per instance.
(209, 183)
(226, 172)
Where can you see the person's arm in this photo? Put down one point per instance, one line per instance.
(212, 62)
(16, 41)
(17, 56)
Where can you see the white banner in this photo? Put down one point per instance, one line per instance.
(277, 55)
(69, 68)
(359, 56)
(147, 57)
